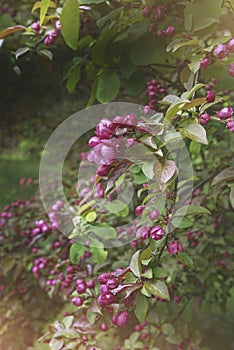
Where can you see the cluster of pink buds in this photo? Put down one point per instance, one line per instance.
(226, 114)
(39, 264)
(174, 247)
(25, 181)
(154, 89)
(222, 51)
(158, 15)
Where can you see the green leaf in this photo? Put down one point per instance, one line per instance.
(181, 222)
(56, 344)
(190, 93)
(147, 51)
(168, 329)
(103, 230)
(194, 132)
(195, 147)
(38, 4)
(43, 10)
(188, 22)
(46, 53)
(168, 170)
(136, 83)
(99, 255)
(141, 309)
(185, 259)
(158, 288)
(231, 196)
(126, 66)
(159, 272)
(68, 321)
(76, 251)
(204, 23)
(101, 22)
(174, 338)
(135, 265)
(224, 176)
(108, 86)
(70, 22)
(88, 2)
(137, 29)
(191, 210)
(6, 264)
(91, 216)
(148, 169)
(73, 78)
(118, 207)
(21, 51)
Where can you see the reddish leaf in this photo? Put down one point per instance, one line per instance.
(11, 30)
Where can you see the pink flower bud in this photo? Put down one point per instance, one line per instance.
(103, 170)
(230, 125)
(204, 118)
(139, 210)
(77, 301)
(210, 96)
(36, 26)
(225, 113)
(174, 247)
(230, 45)
(104, 277)
(204, 63)
(220, 51)
(170, 30)
(154, 214)
(147, 11)
(106, 298)
(142, 232)
(121, 319)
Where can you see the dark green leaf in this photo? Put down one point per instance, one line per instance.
(108, 86)
(70, 21)
(141, 309)
(181, 222)
(21, 51)
(191, 210)
(76, 251)
(185, 259)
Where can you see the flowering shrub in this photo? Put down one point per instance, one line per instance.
(131, 265)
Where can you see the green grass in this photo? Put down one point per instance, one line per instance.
(13, 167)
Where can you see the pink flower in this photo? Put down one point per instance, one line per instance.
(157, 233)
(94, 141)
(174, 247)
(105, 129)
(103, 170)
(204, 63)
(220, 51)
(225, 113)
(231, 69)
(210, 96)
(104, 152)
